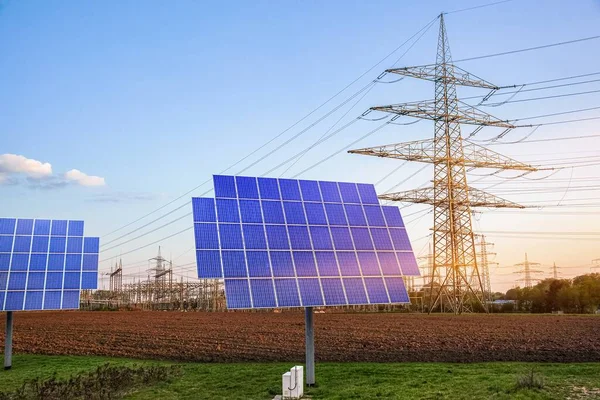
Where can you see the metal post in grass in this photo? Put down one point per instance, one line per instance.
(310, 346)
(8, 341)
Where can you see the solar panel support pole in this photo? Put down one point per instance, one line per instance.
(310, 346)
(8, 341)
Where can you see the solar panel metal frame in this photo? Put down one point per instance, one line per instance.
(44, 264)
(222, 226)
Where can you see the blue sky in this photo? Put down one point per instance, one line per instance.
(154, 97)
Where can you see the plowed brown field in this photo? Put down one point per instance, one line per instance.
(234, 336)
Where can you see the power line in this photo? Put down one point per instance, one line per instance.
(529, 49)
(477, 7)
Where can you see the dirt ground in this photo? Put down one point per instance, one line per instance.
(244, 336)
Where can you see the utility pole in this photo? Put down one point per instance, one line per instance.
(527, 271)
(454, 251)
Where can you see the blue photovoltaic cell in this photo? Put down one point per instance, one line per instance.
(287, 293)
(224, 186)
(310, 191)
(250, 211)
(367, 193)
(330, 192)
(41, 261)
(305, 263)
(237, 293)
(269, 188)
(290, 190)
(408, 264)
(204, 209)
(263, 294)
(392, 216)
(333, 291)
(258, 264)
(285, 243)
(247, 188)
(315, 214)
(310, 292)
(327, 263)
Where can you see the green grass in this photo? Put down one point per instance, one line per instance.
(336, 380)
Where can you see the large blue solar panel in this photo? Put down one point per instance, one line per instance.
(295, 243)
(44, 264)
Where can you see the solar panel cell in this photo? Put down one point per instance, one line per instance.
(333, 291)
(7, 226)
(263, 294)
(38, 262)
(355, 291)
(35, 280)
(294, 212)
(341, 238)
(389, 264)
(231, 236)
(14, 301)
(4, 261)
(17, 280)
(6, 243)
(349, 192)
(3, 280)
(250, 211)
(281, 262)
(310, 292)
(247, 187)
(258, 264)
(41, 227)
(299, 238)
(54, 280)
(392, 216)
(89, 280)
(227, 210)
(336, 214)
(374, 216)
(289, 189)
(224, 186)
(330, 192)
(269, 189)
(59, 228)
(237, 293)
(400, 239)
(58, 244)
(52, 299)
(305, 263)
(321, 238)
(209, 264)
(19, 262)
(73, 262)
(355, 214)
(56, 262)
(75, 228)
(204, 209)
(72, 280)
(33, 300)
(91, 245)
(315, 213)
(367, 193)
(90, 262)
(234, 264)
(273, 212)
(70, 299)
(381, 238)
(40, 244)
(206, 236)
(348, 263)
(74, 245)
(287, 293)
(368, 263)
(254, 237)
(310, 191)
(408, 263)
(327, 263)
(277, 237)
(22, 244)
(24, 227)
(361, 238)
(396, 289)
(376, 290)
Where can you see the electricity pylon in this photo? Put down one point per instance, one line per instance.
(596, 264)
(555, 272)
(452, 198)
(527, 271)
(485, 263)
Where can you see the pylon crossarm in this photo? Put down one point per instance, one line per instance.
(459, 77)
(466, 114)
(477, 198)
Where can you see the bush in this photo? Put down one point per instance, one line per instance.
(530, 380)
(106, 382)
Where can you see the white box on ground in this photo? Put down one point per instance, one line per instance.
(293, 383)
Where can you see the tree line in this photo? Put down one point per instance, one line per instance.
(578, 295)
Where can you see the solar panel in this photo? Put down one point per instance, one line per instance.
(44, 264)
(301, 243)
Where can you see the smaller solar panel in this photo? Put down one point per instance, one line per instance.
(44, 264)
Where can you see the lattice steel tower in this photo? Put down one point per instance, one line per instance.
(452, 198)
(528, 272)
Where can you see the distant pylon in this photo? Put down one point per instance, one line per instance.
(485, 263)
(527, 272)
(454, 252)
(555, 272)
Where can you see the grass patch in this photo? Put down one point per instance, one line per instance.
(262, 381)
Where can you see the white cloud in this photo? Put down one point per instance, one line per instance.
(83, 179)
(17, 164)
